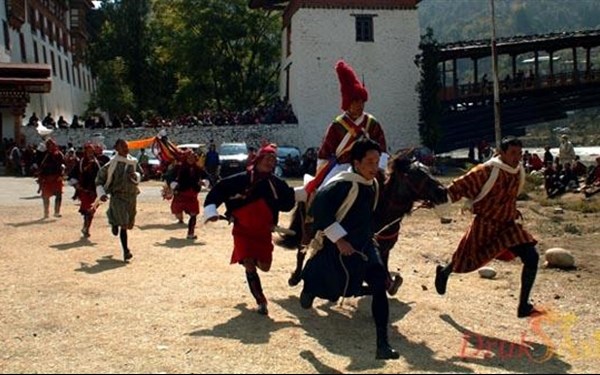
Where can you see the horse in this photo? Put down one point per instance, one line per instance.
(405, 182)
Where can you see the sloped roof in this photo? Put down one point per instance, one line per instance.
(34, 78)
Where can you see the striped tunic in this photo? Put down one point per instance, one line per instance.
(494, 228)
(123, 195)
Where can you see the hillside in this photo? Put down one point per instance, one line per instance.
(470, 19)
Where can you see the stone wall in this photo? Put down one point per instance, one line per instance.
(253, 135)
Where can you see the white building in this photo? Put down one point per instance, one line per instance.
(378, 38)
(37, 35)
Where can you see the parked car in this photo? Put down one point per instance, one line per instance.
(289, 161)
(153, 171)
(233, 157)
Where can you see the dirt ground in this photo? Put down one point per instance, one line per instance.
(71, 305)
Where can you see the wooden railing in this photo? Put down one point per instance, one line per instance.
(470, 90)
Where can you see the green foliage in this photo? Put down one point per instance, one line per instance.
(182, 56)
(428, 89)
(224, 52)
(113, 93)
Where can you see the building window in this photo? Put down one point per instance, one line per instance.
(42, 26)
(32, 20)
(6, 36)
(44, 54)
(364, 28)
(23, 50)
(67, 71)
(36, 55)
(53, 63)
(60, 74)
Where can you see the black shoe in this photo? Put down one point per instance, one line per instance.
(395, 285)
(115, 230)
(306, 299)
(262, 309)
(385, 351)
(529, 311)
(441, 280)
(127, 255)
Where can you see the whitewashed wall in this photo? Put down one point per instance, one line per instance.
(320, 37)
(65, 98)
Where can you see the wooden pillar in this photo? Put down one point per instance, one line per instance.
(551, 62)
(588, 63)
(444, 74)
(514, 66)
(536, 63)
(455, 76)
(575, 68)
(16, 102)
(18, 112)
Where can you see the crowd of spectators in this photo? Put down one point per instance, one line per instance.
(279, 112)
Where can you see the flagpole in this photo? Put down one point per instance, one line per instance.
(497, 126)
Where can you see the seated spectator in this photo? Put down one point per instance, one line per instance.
(552, 183)
(568, 178)
(579, 168)
(75, 122)
(535, 163)
(49, 122)
(62, 124)
(33, 120)
(592, 182)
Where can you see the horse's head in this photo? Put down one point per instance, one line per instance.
(409, 181)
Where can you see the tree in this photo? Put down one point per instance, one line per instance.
(226, 55)
(428, 89)
(126, 41)
(113, 94)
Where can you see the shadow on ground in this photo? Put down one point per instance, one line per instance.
(33, 197)
(31, 222)
(519, 357)
(172, 226)
(106, 263)
(179, 243)
(82, 242)
(353, 335)
(248, 327)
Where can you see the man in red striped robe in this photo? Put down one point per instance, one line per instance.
(493, 188)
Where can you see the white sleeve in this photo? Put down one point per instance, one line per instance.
(100, 190)
(334, 232)
(300, 194)
(209, 212)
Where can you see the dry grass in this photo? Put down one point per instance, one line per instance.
(72, 306)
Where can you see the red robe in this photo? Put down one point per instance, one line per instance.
(334, 136)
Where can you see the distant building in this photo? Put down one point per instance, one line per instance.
(378, 38)
(42, 45)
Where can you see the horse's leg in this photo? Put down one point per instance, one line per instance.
(302, 232)
(297, 274)
(392, 284)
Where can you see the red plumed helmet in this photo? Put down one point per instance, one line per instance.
(350, 86)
